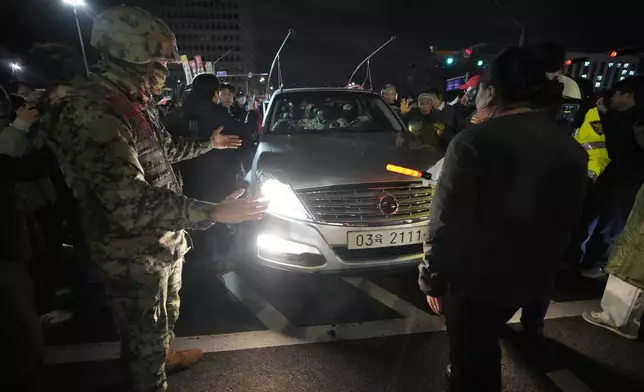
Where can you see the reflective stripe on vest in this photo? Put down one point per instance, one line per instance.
(593, 145)
(592, 175)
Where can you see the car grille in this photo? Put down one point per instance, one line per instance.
(357, 205)
(364, 255)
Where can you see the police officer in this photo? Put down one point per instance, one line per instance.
(117, 159)
(591, 136)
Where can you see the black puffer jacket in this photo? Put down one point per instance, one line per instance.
(214, 175)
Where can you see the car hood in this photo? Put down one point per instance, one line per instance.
(317, 160)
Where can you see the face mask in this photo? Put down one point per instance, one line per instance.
(157, 78)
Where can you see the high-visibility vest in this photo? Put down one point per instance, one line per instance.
(591, 136)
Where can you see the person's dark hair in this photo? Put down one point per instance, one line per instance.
(228, 87)
(16, 103)
(550, 55)
(205, 86)
(14, 85)
(518, 79)
(634, 85)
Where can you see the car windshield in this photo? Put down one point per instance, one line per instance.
(331, 111)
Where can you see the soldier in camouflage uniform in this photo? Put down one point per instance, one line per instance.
(117, 158)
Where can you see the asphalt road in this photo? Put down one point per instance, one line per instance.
(270, 331)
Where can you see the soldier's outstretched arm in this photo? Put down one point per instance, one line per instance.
(182, 149)
(107, 159)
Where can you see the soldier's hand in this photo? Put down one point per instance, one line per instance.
(235, 210)
(222, 142)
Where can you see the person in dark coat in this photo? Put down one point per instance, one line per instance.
(21, 243)
(509, 196)
(617, 187)
(199, 116)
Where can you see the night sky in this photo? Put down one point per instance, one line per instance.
(333, 36)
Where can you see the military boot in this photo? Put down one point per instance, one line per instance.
(177, 361)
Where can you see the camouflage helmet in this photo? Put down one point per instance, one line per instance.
(134, 35)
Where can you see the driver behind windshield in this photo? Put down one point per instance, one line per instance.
(350, 117)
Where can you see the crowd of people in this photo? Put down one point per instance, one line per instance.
(96, 166)
(89, 166)
(536, 178)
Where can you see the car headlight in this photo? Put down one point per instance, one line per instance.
(282, 200)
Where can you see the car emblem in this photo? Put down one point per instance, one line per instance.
(388, 205)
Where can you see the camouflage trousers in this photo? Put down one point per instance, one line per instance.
(144, 297)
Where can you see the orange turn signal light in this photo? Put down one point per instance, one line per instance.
(404, 170)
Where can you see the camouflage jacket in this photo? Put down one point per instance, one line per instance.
(117, 160)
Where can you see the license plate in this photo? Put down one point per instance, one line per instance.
(386, 238)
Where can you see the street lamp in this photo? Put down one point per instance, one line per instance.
(75, 4)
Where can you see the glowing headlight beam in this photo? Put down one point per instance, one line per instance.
(282, 199)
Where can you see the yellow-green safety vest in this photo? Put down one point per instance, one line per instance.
(591, 136)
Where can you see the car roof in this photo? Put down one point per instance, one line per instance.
(317, 89)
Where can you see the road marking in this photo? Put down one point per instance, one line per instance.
(265, 312)
(387, 298)
(289, 337)
(563, 309)
(568, 382)
(254, 340)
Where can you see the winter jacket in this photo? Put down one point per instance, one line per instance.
(510, 195)
(627, 259)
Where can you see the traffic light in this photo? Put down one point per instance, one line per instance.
(449, 60)
(479, 63)
(568, 62)
(613, 54)
(467, 52)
